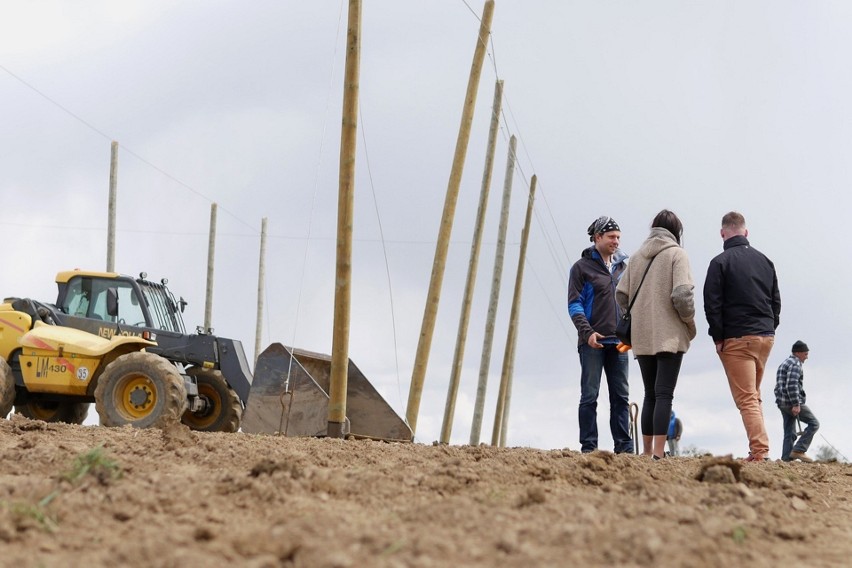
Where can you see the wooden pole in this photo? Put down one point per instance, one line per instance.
(504, 426)
(434, 295)
(261, 284)
(464, 318)
(488, 341)
(339, 373)
(501, 418)
(211, 256)
(113, 191)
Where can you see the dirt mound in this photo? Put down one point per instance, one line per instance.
(92, 496)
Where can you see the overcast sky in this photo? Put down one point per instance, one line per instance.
(620, 108)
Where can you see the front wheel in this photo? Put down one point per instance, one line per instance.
(7, 388)
(141, 389)
(54, 411)
(222, 409)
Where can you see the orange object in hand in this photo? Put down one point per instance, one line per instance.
(622, 347)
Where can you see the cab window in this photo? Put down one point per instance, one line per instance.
(87, 298)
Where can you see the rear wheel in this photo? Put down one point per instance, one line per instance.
(222, 409)
(7, 388)
(141, 389)
(54, 411)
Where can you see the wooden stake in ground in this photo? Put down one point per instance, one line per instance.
(464, 318)
(211, 256)
(501, 415)
(261, 284)
(496, 278)
(113, 191)
(339, 373)
(434, 295)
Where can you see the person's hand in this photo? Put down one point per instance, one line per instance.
(796, 410)
(593, 340)
(719, 347)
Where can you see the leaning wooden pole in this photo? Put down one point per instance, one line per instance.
(464, 318)
(501, 418)
(339, 373)
(434, 294)
(113, 191)
(496, 278)
(211, 256)
(504, 426)
(261, 290)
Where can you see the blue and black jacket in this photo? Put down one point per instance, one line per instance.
(591, 295)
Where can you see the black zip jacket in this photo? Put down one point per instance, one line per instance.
(741, 294)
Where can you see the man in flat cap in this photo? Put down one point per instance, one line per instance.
(790, 398)
(593, 309)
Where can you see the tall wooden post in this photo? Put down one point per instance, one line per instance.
(464, 318)
(496, 278)
(261, 287)
(434, 295)
(501, 418)
(113, 191)
(339, 373)
(211, 257)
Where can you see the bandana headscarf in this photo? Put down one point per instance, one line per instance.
(602, 225)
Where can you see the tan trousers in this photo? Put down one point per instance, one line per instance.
(744, 360)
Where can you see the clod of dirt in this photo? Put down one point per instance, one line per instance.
(718, 474)
(533, 496)
(719, 470)
(178, 435)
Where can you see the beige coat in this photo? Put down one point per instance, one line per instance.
(664, 313)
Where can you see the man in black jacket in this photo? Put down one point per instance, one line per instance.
(742, 304)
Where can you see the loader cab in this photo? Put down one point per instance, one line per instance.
(119, 299)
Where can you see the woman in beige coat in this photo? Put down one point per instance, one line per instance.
(663, 322)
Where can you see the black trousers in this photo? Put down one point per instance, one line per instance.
(659, 375)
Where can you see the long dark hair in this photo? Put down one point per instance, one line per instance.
(666, 219)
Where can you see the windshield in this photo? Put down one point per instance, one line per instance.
(162, 305)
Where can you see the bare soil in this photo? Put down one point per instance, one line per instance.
(95, 496)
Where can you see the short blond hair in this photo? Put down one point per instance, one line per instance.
(733, 221)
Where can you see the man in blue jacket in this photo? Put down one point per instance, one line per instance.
(594, 311)
(743, 305)
(790, 398)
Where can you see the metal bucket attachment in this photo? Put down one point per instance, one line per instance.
(301, 408)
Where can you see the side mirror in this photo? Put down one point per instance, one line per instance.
(112, 302)
(183, 303)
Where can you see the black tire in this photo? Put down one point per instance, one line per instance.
(141, 389)
(7, 388)
(54, 411)
(223, 409)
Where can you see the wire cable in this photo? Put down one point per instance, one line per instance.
(385, 253)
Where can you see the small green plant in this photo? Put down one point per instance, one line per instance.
(94, 463)
(37, 512)
(739, 534)
(394, 547)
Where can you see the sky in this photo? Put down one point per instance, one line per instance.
(620, 108)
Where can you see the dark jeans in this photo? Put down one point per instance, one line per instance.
(593, 362)
(659, 375)
(806, 416)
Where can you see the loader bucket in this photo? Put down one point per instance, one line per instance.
(301, 408)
